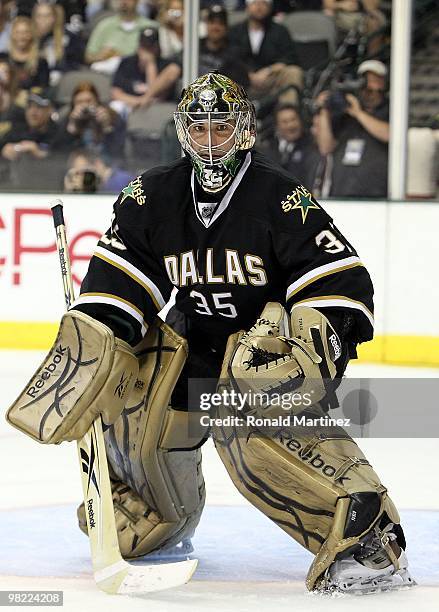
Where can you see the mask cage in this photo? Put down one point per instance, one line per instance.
(243, 134)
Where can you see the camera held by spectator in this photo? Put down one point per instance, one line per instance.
(337, 101)
(354, 131)
(91, 124)
(81, 181)
(90, 173)
(86, 116)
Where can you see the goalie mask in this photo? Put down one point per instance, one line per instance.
(215, 123)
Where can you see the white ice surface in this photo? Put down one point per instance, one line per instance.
(246, 562)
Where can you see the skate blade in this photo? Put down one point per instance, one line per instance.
(395, 582)
(179, 551)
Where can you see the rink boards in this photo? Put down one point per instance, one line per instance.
(397, 242)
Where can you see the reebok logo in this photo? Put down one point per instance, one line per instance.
(88, 467)
(62, 259)
(91, 514)
(336, 346)
(122, 385)
(316, 460)
(46, 372)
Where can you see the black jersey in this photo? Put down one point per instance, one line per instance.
(267, 240)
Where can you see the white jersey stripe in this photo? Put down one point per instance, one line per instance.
(327, 301)
(134, 273)
(113, 300)
(313, 275)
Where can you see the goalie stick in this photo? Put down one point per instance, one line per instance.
(111, 572)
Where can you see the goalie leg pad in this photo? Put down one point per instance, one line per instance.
(317, 485)
(153, 451)
(140, 529)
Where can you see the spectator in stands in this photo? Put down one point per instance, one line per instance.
(91, 124)
(291, 146)
(74, 14)
(146, 8)
(33, 136)
(74, 11)
(63, 50)
(90, 173)
(356, 132)
(268, 51)
(361, 15)
(5, 24)
(171, 19)
(116, 36)
(9, 111)
(137, 74)
(215, 54)
(31, 70)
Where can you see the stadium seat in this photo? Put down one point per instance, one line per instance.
(314, 35)
(150, 121)
(235, 17)
(144, 131)
(38, 174)
(70, 80)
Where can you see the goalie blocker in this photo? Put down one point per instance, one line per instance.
(87, 372)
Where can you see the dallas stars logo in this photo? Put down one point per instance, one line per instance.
(127, 192)
(134, 190)
(300, 199)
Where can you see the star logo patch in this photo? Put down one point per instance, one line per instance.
(300, 199)
(134, 190)
(127, 192)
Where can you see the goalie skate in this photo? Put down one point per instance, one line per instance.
(370, 569)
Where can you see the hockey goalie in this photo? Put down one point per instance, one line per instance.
(267, 288)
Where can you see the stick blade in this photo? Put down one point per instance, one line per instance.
(140, 579)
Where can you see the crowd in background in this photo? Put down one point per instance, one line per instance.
(87, 89)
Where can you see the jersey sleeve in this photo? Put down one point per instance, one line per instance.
(125, 281)
(320, 267)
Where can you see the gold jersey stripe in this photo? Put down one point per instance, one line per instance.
(113, 297)
(340, 299)
(318, 276)
(131, 275)
(113, 300)
(327, 272)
